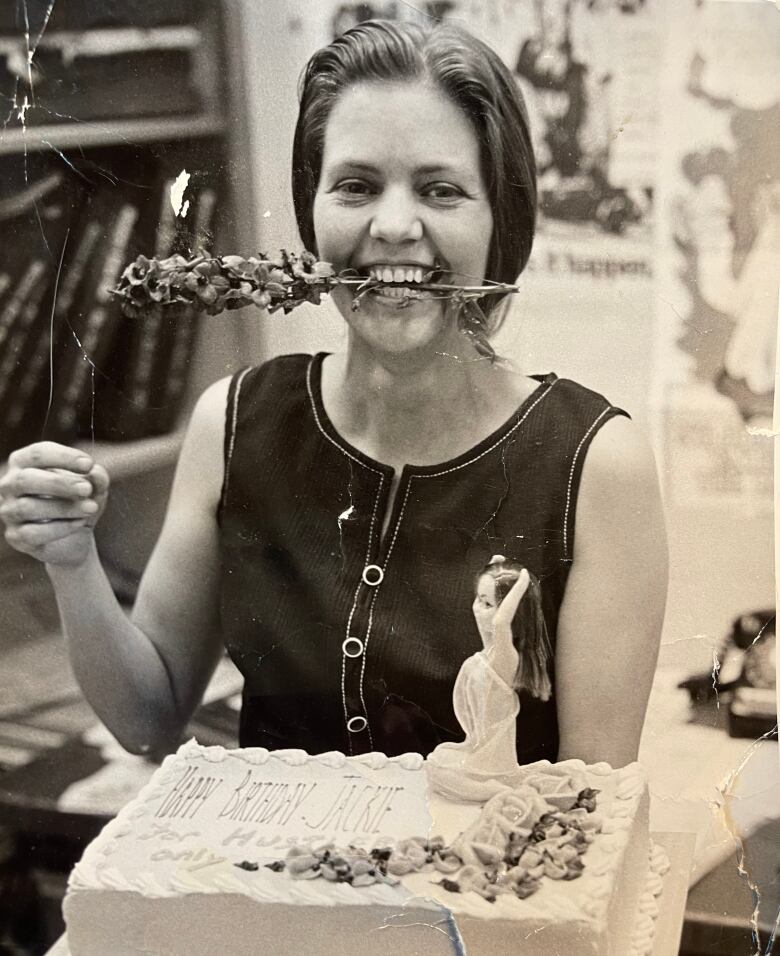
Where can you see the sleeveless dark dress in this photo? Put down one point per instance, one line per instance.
(352, 643)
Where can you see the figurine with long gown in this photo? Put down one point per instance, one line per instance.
(515, 655)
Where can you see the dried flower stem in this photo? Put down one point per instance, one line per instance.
(214, 284)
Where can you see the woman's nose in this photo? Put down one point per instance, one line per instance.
(396, 218)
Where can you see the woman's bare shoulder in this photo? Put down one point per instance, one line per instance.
(201, 462)
(209, 411)
(620, 456)
(619, 506)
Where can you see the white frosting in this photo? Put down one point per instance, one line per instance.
(586, 898)
(207, 809)
(649, 902)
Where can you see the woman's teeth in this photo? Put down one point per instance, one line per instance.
(396, 274)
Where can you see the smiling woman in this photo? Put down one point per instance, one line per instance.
(330, 513)
(401, 190)
(439, 59)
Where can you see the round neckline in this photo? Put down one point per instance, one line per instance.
(314, 372)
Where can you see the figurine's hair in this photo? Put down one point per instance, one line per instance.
(529, 628)
(467, 71)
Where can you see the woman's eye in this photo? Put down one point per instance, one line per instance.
(442, 191)
(353, 187)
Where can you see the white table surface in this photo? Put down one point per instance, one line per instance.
(701, 780)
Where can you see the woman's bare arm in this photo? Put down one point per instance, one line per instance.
(145, 675)
(610, 623)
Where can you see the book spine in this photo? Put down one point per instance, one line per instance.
(26, 200)
(166, 228)
(145, 336)
(73, 274)
(147, 345)
(32, 379)
(101, 317)
(5, 283)
(71, 280)
(184, 331)
(13, 354)
(31, 278)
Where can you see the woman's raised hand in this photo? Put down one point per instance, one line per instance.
(51, 497)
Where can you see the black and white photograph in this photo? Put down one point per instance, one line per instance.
(387, 419)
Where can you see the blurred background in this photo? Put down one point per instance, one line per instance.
(167, 126)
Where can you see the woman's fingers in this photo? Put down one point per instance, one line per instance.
(508, 607)
(51, 496)
(98, 476)
(54, 483)
(30, 508)
(49, 454)
(31, 536)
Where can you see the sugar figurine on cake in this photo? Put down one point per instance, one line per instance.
(515, 655)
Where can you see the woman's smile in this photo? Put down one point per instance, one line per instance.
(401, 201)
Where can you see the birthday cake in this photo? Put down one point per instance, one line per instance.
(250, 850)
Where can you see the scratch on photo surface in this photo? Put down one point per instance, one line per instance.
(179, 187)
(678, 314)
(28, 101)
(65, 159)
(113, 134)
(418, 9)
(51, 329)
(715, 672)
(726, 790)
(348, 513)
(504, 493)
(92, 369)
(446, 925)
(707, 638)
(757, 431)
(344, 516)
(26, 67)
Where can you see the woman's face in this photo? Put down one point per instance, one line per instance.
(401, 190)
(484, 606)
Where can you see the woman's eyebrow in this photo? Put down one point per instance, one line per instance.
(434, 168)
(429, 169)
(353, 165)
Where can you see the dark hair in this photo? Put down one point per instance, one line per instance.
(467, 71)
(529, 628)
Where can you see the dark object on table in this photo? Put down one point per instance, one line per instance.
(753, 707)
(750, 647)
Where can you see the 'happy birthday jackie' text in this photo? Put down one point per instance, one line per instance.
(354, 807)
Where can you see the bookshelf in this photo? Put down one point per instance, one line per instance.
(197, 137)
(87, 135)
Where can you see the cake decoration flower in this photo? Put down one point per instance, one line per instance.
(491, 858)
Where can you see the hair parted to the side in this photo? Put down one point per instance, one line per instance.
(464, 69)
(529, 628)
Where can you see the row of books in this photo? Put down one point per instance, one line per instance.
(71, 364)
